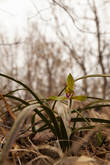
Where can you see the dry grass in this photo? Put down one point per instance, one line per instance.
(43, 148)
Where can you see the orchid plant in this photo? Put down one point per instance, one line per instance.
(62, 125)
(70, 97)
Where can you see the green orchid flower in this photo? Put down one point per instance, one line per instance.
(69, 91)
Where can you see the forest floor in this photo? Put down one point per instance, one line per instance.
(43, 148)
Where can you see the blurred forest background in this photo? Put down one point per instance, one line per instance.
(77, 41)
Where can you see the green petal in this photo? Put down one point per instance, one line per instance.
(79, 98)
(70, 82)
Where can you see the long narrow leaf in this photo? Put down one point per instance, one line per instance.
(91, 119)
(24, 85)
(17, 99)
(65, 143)
(42, 128)
(46, 121)
(53, 119)
(33, 123)
(85, 108)
(11, 92)
(93, 75)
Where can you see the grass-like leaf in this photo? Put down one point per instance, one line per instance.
(53, 119)
(24, 85)
(96, 120)
(17, 99)
(65, 142)
(51, 127)
(53, 122)
(92, 76)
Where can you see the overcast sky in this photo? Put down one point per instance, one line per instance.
(15, 14)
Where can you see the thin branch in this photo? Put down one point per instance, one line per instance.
(11, 44)
(39, 12)
(100, 52)
(74, 21)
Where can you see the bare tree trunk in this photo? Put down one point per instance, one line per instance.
(49, 78)
(100, 53)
